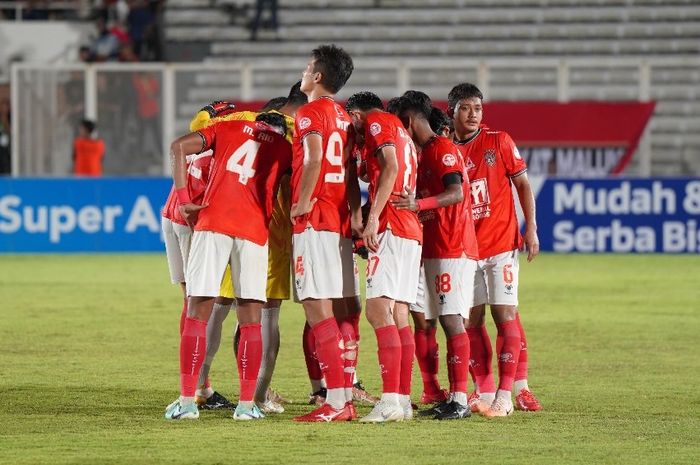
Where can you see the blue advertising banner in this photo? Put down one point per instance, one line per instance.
(618, 215)
(81, 215)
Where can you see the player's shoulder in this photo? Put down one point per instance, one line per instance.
(443, 144)
(497, 135)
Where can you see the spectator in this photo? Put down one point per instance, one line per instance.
(36, 10)
(271, 23)
(106, 45)
(85, 54)
(139, 21)
(5, 134)
(88, 151)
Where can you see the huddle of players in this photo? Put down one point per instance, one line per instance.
(441, 234)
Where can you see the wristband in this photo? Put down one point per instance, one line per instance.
(429, 203)
(183, 196)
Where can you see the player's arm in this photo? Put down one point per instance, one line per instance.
(354, 198)
(388, 170)
(311, 169)
(191, 143)
(452, 194)
(527, 202)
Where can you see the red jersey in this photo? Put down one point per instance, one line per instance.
(198, 169)
(88, 156)
(249, 160)
(381, 130)
(448, 231)
(329, 120)
(492, 160)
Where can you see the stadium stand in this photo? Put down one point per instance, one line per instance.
(615, 50)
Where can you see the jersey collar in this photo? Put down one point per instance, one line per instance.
(468, 139)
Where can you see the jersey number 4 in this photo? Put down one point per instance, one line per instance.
(242, 160)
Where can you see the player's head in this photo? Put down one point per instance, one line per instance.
(87, 128)
(296, 97)
(413, 109)
(392, 106)
(359, 104)
(274, 103)
(440, 123)
(465, 107)
(329, 67)
(275, 120)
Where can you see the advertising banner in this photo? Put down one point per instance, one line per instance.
(618, 215)
(81, 215)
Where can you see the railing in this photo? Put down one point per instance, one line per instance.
(140, 108)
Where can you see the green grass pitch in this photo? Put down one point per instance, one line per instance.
(89, 360)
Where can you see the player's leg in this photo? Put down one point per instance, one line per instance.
(249, 274)
(318, 275)
(177, 249)
(271, 347)
(207, 397)
(450, 291)
(524, 398)
(502, 281)
(208, 256)
(426, 346)
(480, 366)
(318, 386)
(408, 350)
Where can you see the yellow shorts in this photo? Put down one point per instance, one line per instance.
(279, 259)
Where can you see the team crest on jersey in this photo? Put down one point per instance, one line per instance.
(449, 160)
(304, 123)
(470, 164)
(375, 128)
(490, 157)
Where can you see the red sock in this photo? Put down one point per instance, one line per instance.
(309, 346)
(426, 364)
(458, 362)
(249, 359)
(193, 347)
(481, 353)
(389, 352)
(183, 315)
(347, 331)
(328, 352)
(408, 348)
(508, 354)
(521, 372)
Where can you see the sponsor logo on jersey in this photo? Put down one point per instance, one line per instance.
(304, 123)
(449, 160)
(490, 157)
(375, 128)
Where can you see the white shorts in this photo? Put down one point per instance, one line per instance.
(209, 255)
(419, 305)
(324, 266)
(449, 283)
(393, 270)
(496, 280)
(178, 238)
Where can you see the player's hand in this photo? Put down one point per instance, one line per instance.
(369, 234)
(300, 210)
(531, 243)
(190, 212)
(219, 108)
(406, 200)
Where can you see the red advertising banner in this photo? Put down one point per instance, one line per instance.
(577, 139)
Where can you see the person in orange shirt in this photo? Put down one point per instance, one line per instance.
(88, 151)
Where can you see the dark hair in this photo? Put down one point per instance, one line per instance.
(275, 120)
(334, 64)
(88, 125)
(462, 92)
(274, 104)
(439, 120)
(364, 101)
(296, 97)
(416, 102)
(393, 105)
